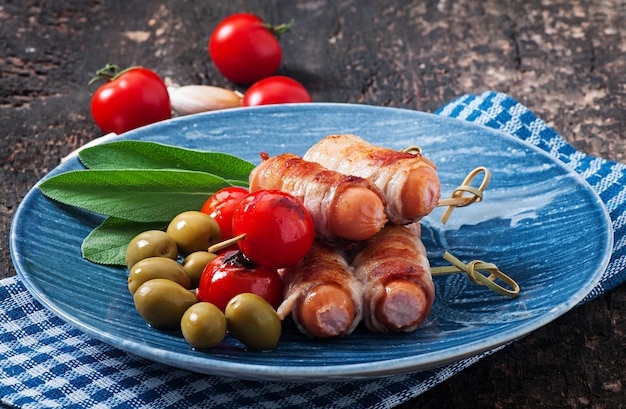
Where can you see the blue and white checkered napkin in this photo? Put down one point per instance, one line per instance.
(46, 363)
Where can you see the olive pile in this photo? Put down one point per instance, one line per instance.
(164, 289)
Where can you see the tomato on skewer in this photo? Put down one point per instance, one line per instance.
(278, 229)
(221, 207)
(231, 274)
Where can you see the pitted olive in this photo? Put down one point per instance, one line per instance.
(253, 321)
(195, 263)
(162, 302)
(151, 243)
(194, 231)
(157, 267)
(203, 325)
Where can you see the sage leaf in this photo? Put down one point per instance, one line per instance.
(130, 154)
(107, 243)
(141, 195)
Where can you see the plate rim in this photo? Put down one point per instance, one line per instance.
(242, 370)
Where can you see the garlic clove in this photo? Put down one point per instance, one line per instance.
(191, 99)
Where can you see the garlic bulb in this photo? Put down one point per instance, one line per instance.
(191, 99)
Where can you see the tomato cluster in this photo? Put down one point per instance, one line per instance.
(246, 50)
(243, 47)
(274, 229)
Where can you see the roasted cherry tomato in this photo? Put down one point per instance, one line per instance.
(275, 90)
(129, 99)
(221, 207)
(279, 230)
(244, 49)
(231, 274)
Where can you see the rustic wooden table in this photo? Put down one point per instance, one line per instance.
(563, 59)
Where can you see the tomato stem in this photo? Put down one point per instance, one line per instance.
(280, 29)
(108, 73)
(223, 244)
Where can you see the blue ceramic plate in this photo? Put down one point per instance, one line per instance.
(540, 223)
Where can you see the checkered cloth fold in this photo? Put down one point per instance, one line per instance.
(45, 363)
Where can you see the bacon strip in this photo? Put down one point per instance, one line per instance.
(395, 273)
(343, 208)
(322, 295)
(408, 181)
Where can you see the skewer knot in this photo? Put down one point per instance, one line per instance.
(457, 199)
(474, 270)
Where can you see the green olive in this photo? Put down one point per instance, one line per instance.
(151, 243)
(203, 325)
(194, 231)
(162, 302)
(195, 263)
(157, 267)
(253, 321)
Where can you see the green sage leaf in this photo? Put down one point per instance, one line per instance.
(131, 154)
(141, 195)
(107, 243)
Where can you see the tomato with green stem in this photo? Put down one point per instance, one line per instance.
(278, 230)
(128, 99)
(245, 49)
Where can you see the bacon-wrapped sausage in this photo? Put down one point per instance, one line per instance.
(322, 295)
(408, 181)
(398, 290)
(343, 207)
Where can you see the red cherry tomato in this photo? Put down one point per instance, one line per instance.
(244, 49)
(275, 90)
(232, 273)
(221, 207)
(279, 230)
(129, 99)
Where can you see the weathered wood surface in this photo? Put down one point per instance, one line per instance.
(563, 59)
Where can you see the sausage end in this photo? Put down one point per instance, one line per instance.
(358, 214)
(403, 307)
(420, 193)
(327, 311)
